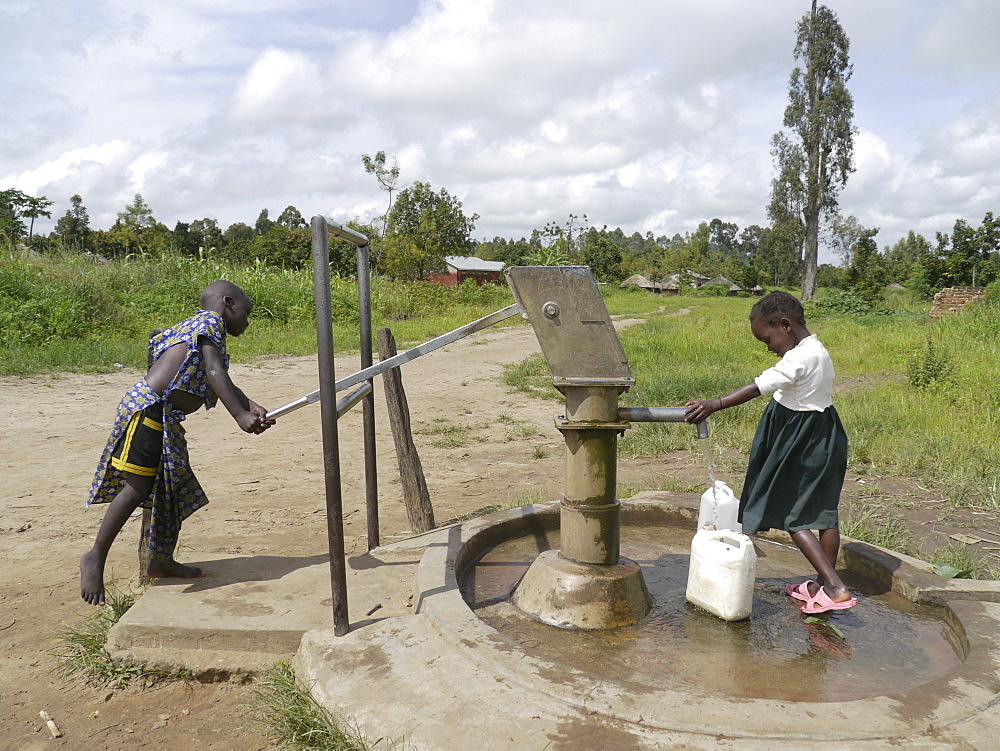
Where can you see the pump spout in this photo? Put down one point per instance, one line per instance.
(659, 414)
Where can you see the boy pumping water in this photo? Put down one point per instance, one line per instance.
(145, 462)
(798, 458)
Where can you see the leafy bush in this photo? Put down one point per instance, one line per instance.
(553, 255)
(844, 304)
(931, 366)
(992, 294)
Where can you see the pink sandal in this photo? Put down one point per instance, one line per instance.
(799, 592)
(822, 603)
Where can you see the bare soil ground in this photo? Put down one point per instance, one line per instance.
(478, 443)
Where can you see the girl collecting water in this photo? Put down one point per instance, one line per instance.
(799, 454)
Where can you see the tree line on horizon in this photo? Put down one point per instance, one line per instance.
(423, 226)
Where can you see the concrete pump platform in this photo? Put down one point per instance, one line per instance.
(420, 667)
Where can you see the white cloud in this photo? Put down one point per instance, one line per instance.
(279, 85)
(651, 115)
(67, 165)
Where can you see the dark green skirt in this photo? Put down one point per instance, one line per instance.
(796, 471)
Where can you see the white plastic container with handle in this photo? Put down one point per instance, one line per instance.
(721, 574)
(719, 508)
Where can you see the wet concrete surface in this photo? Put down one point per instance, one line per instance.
(884, 645)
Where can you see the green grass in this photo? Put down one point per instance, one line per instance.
(879, 525)
(939, 428)
(531, 376)
(293, 719)
(946, 435)
(66, 313)
(447, 435)
(81, 652)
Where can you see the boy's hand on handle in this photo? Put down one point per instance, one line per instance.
(697, 411)
(254, 420)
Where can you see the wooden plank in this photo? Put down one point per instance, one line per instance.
(415, 496)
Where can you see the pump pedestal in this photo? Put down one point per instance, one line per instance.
(587, 584)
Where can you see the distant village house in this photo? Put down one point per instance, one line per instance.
(460, 268)
(671, 285)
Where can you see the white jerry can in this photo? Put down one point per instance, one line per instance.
(719, 508)
(721, 574)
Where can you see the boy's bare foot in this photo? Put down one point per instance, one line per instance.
(92, 578)
(169, 567)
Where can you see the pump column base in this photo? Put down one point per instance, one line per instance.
(585, 596)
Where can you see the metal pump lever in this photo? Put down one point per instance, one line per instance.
(403, 357)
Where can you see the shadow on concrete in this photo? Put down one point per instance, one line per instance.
(369, 561)
(222, 572)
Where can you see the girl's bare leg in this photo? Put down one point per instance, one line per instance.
(136, 490)
(817, 555)
(829, 540)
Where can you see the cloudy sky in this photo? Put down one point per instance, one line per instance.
(649, 115)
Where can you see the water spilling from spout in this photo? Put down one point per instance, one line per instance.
(706, 450)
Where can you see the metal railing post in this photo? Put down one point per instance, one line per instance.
(328, 419)
(368, 405)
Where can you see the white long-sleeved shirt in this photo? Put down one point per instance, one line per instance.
(802, 380)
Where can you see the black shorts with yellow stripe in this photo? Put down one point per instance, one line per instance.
(140, 447)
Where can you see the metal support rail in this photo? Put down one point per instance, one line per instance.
(402, 357)
(346, 403)
(331, 409)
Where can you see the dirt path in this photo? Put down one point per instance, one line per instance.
(478, 445)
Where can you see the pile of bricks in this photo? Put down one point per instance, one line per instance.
(951, 299)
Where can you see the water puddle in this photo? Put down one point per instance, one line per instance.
(883, 646)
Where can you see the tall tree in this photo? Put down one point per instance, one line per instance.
(843, 234)
(816, 156)
(15, 204)
(264, 223)
(722, 237)
(12, 203)
(602, 254)
(970, 259)
(73, 228)
(35, 208)
(237, 242)
(424, 227)
(566, 240)
(291, 218)
(135, 230)
(867, 273)
(211, 233)
(186, 241)
(137, 215)
(386, 177)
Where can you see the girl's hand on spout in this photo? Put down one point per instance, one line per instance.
(697, 411)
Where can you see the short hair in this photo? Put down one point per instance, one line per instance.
(771, 307)
(220, 289)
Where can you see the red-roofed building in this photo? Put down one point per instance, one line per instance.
(461, 268)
